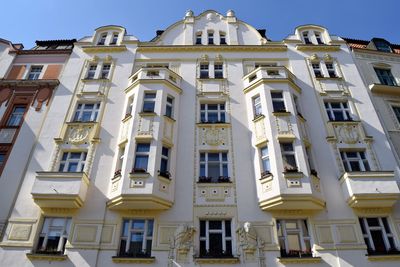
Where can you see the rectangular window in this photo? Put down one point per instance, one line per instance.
(149, 102)
(215, 238)
(86, 112)
(318, 37)
(289, 157)
(34, 72)
(204, 71)
(338, 111)
(257, 109)
(54, 235)
(120, 160)
(377, 235)
(114, 38)
(306, 38)
(105, 71)
(222, 38)
(214, 167)
(142, 157)
(164, 166)
(2, 159)
(136, 238)
(72, 162)
(385, 77)
(266, 167)
(331, 70)
(212, 113)
(317, 70)
(16, 117)
(294, 238)
(396, 111)
(91, 71)
(278, 102)
(169, 108)
(218, 71)
(129, 107)
(102, 39)
(198, 38)
(210, 37)
(354, 161)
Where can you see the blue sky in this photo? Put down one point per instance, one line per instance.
(26, 21)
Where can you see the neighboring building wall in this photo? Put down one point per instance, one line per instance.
(209, 145)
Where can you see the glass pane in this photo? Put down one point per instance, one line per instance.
(52, 243)
(72, 167)
(225, 170)
(150, 224)
(202, 170)
(224, 156)
(149, 95)
(379, 243)
(227, 228)
(125, 228)
(202, 228)
(338, 115)
(386, 225)
(294, 243)
(355, 166)
(165, 151)
(143, 148)
(141, 162)
(58, 222)
(213, 156)
(75, 155)
(213, 171)
(212, 107)
(212, 117)
(215, 244)
(138, 224)
(291, 225)
(215, 224)
(373, 221)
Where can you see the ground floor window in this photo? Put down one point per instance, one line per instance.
(294, 238)
(54, 235)
(215, 238)
(136, 238)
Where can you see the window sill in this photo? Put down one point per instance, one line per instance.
(46, 257)
(281, 113)
(328, 78)
(208, 124)
(85, 80)
(148, 114)
(388, 257)
(258, 117)
(149, 260)
(139, 175)
(169, 118)
(227, 260)
(211, 79)
(296, 260)
(127, 117)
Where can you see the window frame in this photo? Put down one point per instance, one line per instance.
(344, 110)
(144, 155)
(277, 102)
(317, 70)
(226, 238)
(65, 162)
(199, 36)
(306, 37)
(265, 160)
(385, 76)
(105, 71)
(204, 70)
(47, 228)
(386, 233)
(257, 106)
(284, 232)
(91, 71)
(218, 70)
(319, 38)
(16, 119)
(206, 112)
(222, 164)
(81, 109)
(114, 38)
(147, 100)
(286, 154)
(169, 106)
(396, 111)
(222, 38)
(34, 72)
(330, 67)
(120, 160)
(164, 162)
(145, 237)
(102, 39)
(210, 38)
(361, 159)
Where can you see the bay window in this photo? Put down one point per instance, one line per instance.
(72, 162)
(141, 157)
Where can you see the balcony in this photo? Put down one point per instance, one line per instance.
(384, 89)
(370, 189)
(156, 75)
(60, 189)
(270, 75)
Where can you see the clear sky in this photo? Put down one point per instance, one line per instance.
(25, 21)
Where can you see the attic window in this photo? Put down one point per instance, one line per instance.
(210, 37)
(382, 45)
(102, 39)
(198, 38)
(222, 38)
(318, 37)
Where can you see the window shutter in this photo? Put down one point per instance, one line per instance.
(52, 72)
(16, 72)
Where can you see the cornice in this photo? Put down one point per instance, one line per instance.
(216, 48)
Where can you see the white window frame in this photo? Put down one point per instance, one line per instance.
(34, 72)
(330, 67)
(298, 231)
(81, 108)
(120, 160)
(165, 157)
(344, 109)
(319, 38)
(169, 105)
(221, 163)
(67, 160)
(288, 153)
(141, 154)
(204, 70)
(264, 156)
(387, 234)
(105, 71)
(149, 100)
(129, 106)
(222, 38)
(386, 79)
(277, 100)
(15, 119)
(221, 231)
(221, 112)
(102, 38)
(47, 227)
(306, 37)
(199, 38)
(91, 72)
(361, 158)
(210, 38)
(114, 38)
(144, 231)
(257, 106)
(316, 66)
(396, 111)
(218, 70)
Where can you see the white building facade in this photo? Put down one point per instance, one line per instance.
(209, 145)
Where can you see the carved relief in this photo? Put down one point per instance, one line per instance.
(348, 134)
(78, 134)
(214, 136)
(183, 238)
(20, 232)
(315, 183)
(5, 95)
(249, 243)
(215, 193)
(283, 125)
(259, 129)
(145, 126)
(7, 135)
(42, 95)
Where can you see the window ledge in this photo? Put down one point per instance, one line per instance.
(148, 260)
(134, 175)
(148, 114)
(46, 257)
(228, 260)
(258, 117)
(169, 118)
(328, 78)
(211, 124)
(85, 80)
(306, 260)
(127, 117)
(281, 113)
(383, 257)
(212, 79)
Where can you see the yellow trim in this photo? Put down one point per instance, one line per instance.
(154, 81)
(136, 201)
(133, 260)
(294, 86)
(384, 258)
(296, 202)
(232, 260)
(103, 48)
(46, 257)
(212, 125)
(306, 47)
(300, 260)
(384, 89)
(216, 48)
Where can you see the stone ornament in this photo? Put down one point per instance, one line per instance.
(247, 237)
(213, 136)
(183, 237)
(78, 135)
(348, 134)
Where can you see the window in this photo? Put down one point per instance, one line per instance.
(318, 37)
(136, 238)
(72, 162)
(198, 38)
(331, 69)
(218, 71)
(34, 72)
(204, 71)
(289, 157)
(16, 116)
(317, 70)
(215, 238)
(354, 161)
(91, 71)
(129, 107)
(294, 238)
(120, 160)
(222, 38)
(2, 159)
(296, 105)
(212, 113)
(382, 45)
(377, 235)
(266, 167)
(214, 167)
(142, 157)
(86, 112)
(257, 109)
(169, 108)
(385, 77)
(54, 235)
(210, 37)
(105, 71)
(149, 102)
(306, 38)
(396, 110)
(164, 167)
(277, 102)
(102, 39)
(114, 38)
(338, 111)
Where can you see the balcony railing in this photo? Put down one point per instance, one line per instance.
(159, 73)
